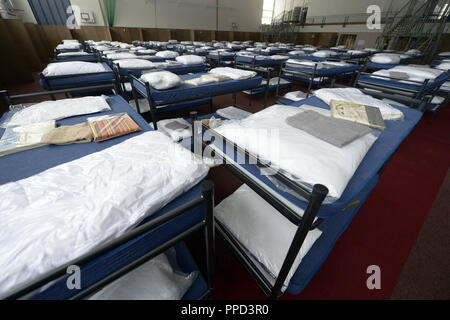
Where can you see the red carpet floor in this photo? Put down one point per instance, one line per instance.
(382, 233)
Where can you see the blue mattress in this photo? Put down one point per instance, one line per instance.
(383, 148)
(272, 88)
(88, 58)
(327, 72)
(405, 86)
(223, 57)
(379, 66)
(72, 81)
(178, 69)
(186, 91)
(27, 163)
(259, 62)
(332, 229)
(321, 81)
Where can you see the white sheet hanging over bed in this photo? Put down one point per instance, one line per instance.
(56, 216)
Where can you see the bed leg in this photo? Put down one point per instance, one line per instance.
(318, 195)
(208, 196)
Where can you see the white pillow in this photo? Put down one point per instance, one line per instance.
(68, 54)
(162, 80)
(324, 53)
(72, 67)
(154, 280)
(57, 110)
(121, 55)
(167, 54)
(134, 63)
(390, 58)
(443, 66)
(262, 230)
(190, 59)
(147, 51)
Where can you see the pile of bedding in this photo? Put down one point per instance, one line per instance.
(386, 58)
(121, 55)
(190, 59)
(167, 54)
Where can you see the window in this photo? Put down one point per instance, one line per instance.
(267, 11)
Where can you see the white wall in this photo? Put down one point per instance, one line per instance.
(25, 12)
(92, 6)
(245, 13)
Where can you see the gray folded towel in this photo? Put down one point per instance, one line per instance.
(337, 132)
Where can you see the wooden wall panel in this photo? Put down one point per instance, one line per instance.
(95, 33)
(24, 43)
(127, 35)
(203, 35)
(164, 35)
(180, 34)
(150, 34)
(14, 63)
(55, 35)
(40, 42)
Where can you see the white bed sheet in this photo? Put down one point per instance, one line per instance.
(62, 213)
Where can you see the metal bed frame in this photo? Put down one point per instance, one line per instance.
(153, 104)
(418, 98)
(304, 224)
(308, 75)
(206, 225)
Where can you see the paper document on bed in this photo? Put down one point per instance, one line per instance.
(366, 115)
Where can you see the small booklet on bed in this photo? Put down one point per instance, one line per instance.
(366, 115)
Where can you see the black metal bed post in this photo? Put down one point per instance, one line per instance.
(193, 115)
(152, 106)
(318, 195)
(266, 91)
(313, 75)
(47, 85)
(135, 97)
(7, 99)
(209, 232)
(277, 90)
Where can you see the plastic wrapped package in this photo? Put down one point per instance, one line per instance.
(154, 280)
(16, 139)
(112, 126)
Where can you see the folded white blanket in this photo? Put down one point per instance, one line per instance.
(121, 55)
(232, 73)
(72, 67)
(443, 66)
(57, 110)
(324, 53)
(162, 80)
(190, 59)
(305, 157)
(391, 58)
(134, 63)
(64, 212)
(296, 53)
(147, 51)
(354, 95)
(233, 113)
(67, 54)
(413, 73)
(68, 46)
(263, 231)
(167, 54)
